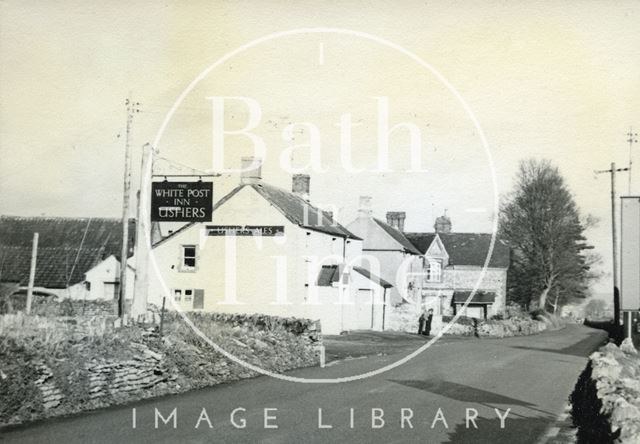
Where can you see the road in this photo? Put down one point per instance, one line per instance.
(532, 376)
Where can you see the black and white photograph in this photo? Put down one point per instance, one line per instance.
(319, 221)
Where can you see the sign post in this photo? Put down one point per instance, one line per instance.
(630, 258)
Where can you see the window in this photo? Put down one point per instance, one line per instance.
(434, 271)
(188, 295)
(188, 258)
(177, 295)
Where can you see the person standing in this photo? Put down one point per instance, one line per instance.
(427, 323)
(421, 321)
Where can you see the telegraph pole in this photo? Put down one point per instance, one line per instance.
(132, 108)
(143, 229)
(616, 295)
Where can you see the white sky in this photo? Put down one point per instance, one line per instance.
(559, 80)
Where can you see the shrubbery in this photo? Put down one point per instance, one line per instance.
(497, 326)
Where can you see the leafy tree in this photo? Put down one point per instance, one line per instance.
(542, 225)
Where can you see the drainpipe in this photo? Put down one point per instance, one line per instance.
(344, 255)
(384, 305)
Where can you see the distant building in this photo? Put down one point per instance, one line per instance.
(77, 257)
(453, 265)
(399, 260)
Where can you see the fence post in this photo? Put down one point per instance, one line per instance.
(164, 298)
(32, 272)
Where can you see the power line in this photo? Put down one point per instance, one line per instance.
(633, 138)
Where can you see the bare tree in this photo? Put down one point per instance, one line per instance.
(541, 222)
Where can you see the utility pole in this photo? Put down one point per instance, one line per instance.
(614, 238)
(32, 272)
(633, 138)
(132, 108)
(143, 236)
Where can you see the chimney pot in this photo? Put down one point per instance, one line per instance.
(251, 170)
(443, 224)
(396, 219)
(364, 207)
(300, 185)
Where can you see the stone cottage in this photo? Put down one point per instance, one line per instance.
(453, 265)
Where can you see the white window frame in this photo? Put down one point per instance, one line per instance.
(190, 295)
(430, 276)
(183, 257)
(177, 294)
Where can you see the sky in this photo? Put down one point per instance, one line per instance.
(542, 79)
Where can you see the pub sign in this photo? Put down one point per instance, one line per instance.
(181, 201)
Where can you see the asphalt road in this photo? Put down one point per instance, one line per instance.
(532, 376)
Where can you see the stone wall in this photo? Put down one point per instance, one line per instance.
(52, 366)
(465, 278)
(606, 400)
(405, 317)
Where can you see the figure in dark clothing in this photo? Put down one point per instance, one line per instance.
(427, 323)
(421, 321)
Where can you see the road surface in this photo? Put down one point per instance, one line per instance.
(423, 401)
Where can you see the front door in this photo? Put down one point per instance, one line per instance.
(363, 311)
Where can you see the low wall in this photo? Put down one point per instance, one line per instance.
(53, 366)
(606, 399)
(405, 318)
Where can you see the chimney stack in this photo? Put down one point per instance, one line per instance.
(300, 185)
(251, 170)
(396, 219)
(443, 224)
(364, 207)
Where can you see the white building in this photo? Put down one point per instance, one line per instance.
(399, 260)
(269, 251)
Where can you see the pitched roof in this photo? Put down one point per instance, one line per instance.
(398, 236)
(301, 212)
(56, 267)
(331, 273)
(69, 232)
(328, 275)
(290, 205)
(60, 241)
(422, 241)
(466, 248)
(480, 297)
(372, 277)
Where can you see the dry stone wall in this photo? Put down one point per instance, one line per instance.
(53, 366)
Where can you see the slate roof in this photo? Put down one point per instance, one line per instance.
(398, 236)
(480, 297)
(328, 275)
(331, 273)
(466, 248)
(293, 207)
(372, 277)
(422, 241)
(54, 267)
(60, 241)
